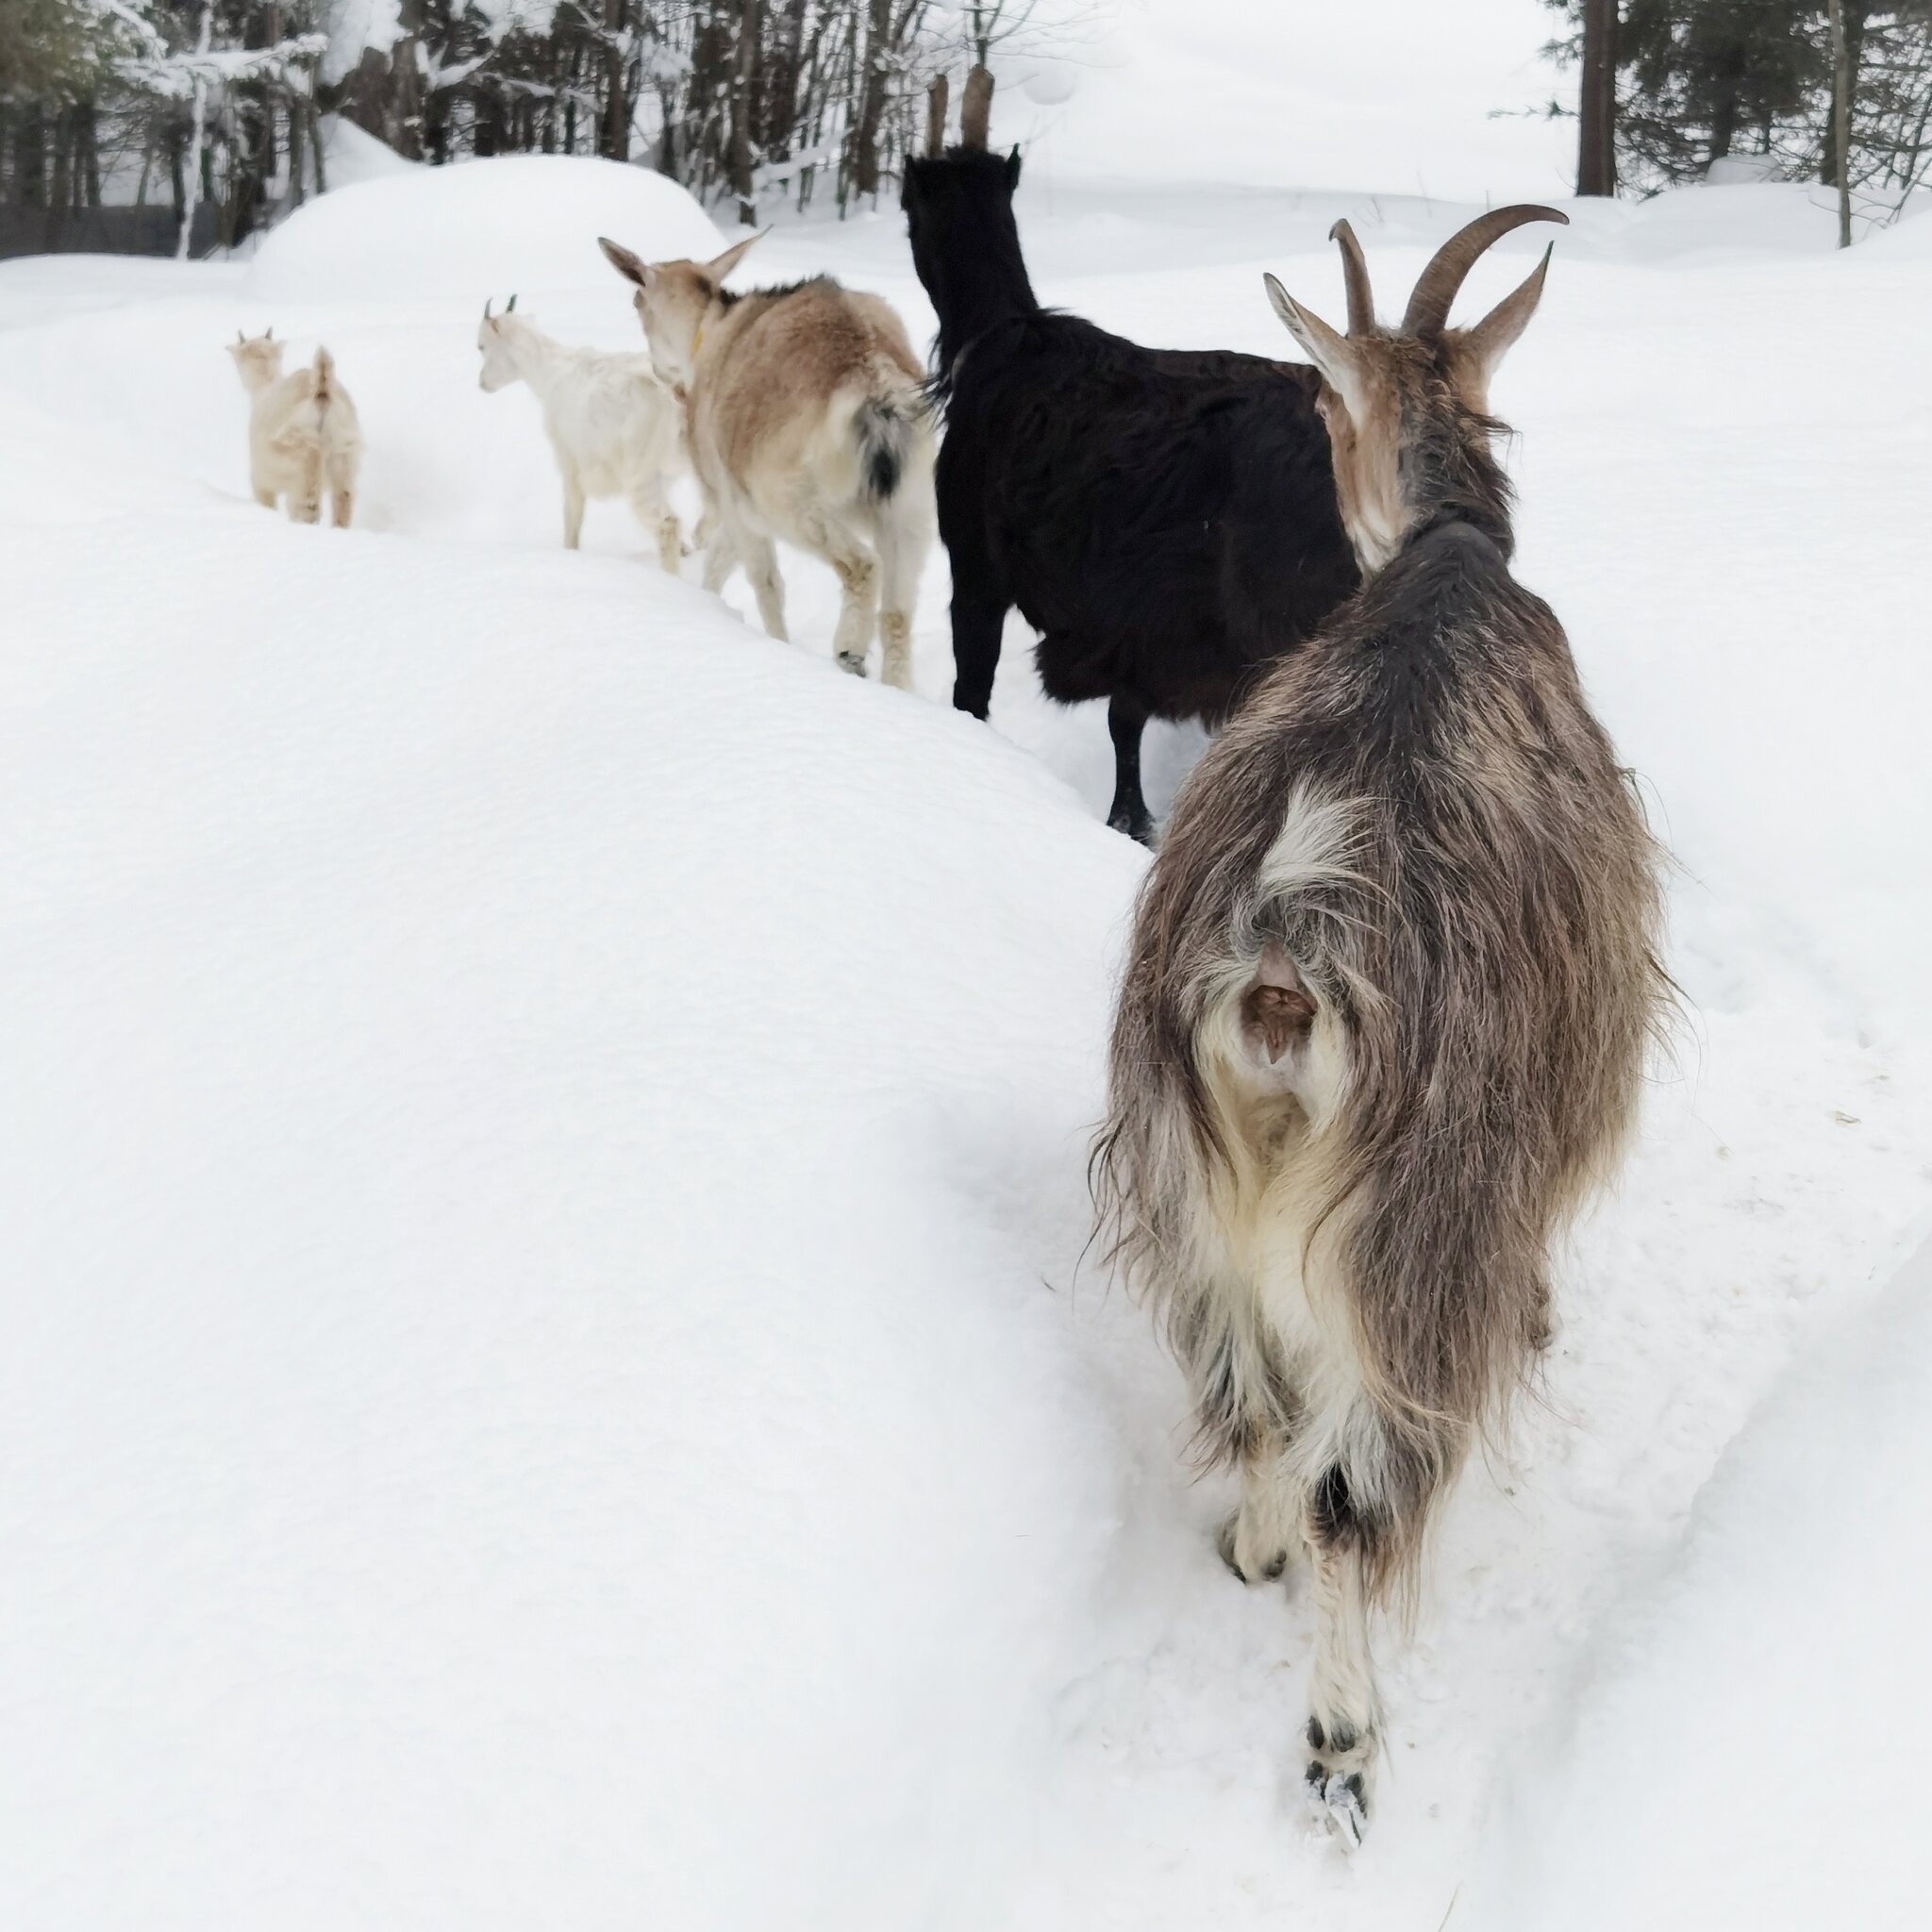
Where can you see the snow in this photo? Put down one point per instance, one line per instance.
(353, 154)
(525, 221)
(1408, 97)
(1755, 1718)
(551, 1375)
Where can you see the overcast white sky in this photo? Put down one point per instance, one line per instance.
(1390, 95)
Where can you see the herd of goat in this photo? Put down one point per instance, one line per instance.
(1394, 968)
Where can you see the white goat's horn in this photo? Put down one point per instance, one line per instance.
(509, 308)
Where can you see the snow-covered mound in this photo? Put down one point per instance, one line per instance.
(515, 221)
(448, 1465)
(353, 154)
(1756, 1720)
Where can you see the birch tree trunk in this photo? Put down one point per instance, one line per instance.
(197, 135)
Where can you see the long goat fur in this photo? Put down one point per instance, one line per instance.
(1164, 519)
(1385, 1017)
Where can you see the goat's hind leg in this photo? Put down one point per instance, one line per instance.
(1258, 1540)
(1344, 1729)
(1126, 718)
(760, 557)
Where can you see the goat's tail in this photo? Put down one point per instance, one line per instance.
(1349, 1042)
(885, 428)
(324, 390)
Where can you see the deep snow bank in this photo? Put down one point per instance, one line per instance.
(1756, 1720)
(482, 227)
(537, 1120)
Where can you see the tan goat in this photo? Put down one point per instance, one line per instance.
(302, 433)
(807, 422)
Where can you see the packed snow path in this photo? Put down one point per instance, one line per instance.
(550, 1376)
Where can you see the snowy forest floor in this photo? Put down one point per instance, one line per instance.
(550, 1376)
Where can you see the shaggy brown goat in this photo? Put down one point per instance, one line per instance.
(1385, 1016)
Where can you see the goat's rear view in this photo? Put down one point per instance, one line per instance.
(302, 433)
(1164, 519)
(806, 422)
(1386, 1013)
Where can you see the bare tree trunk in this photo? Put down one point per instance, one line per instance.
(872, 99)
(614, 138)
(743, 105)
(1596, 148)
(1841, 119)
(192, 200)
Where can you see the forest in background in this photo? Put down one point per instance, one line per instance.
(206, 114)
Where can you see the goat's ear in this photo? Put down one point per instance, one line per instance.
(1013, 169)
(720, 266)
(1495, 335)
(1329, 352)
(632, 268)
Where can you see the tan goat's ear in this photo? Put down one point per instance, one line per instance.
(1495, 335)
(721, 266)
(1329, 352)
(627, 264)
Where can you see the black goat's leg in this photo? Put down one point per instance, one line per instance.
(977, 626)
(1126, 719)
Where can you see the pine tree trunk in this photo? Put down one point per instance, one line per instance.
(1596, 149)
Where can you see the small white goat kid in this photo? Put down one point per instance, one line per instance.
(302, 433)
(616, 429)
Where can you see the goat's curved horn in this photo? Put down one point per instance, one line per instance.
(269, 334)
(976, 108)
(936, 116)
(1428, 307)
(486, 309)
(1355, 273)
(509, 308)
(240, 337)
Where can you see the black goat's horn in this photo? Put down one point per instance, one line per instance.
(1355, 273)
(936, 116)
(1428, 307)
(976, 108)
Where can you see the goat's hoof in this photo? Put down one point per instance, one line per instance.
(1339, 1804)
(1341, 1773)
(1137, 825)
(849, 660)
(1267, 1568)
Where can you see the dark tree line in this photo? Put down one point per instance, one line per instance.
(218, 103)
(1671, 86)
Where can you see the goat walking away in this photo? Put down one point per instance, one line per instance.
(807, 422)
(615, 429)
(303, 432)
(1384, 1021)
(1164, 519)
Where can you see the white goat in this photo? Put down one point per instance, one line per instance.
(616, 429)
(303, 432)
(807, 422)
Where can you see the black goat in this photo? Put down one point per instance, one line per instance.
(1165, 518)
